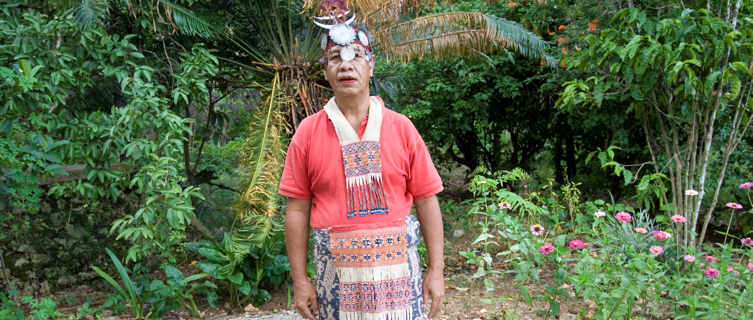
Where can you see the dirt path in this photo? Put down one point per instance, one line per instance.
(465, 299)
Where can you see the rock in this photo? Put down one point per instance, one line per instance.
(568, 316)
(458, 233)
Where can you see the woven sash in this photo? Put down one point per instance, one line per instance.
(364, 192)
(375, 279)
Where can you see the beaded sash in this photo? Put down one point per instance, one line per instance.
(364, 192)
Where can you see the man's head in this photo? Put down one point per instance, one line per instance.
(347, 59)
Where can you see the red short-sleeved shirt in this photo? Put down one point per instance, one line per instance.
(314, 170)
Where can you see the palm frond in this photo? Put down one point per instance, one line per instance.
(90, 12)
(264, 158)
(455, 34)
(187, 21)
(376, 12)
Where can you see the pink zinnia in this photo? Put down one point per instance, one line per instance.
(623, 216)
(656, 249)
(730, 268)
(504, 205)
(750, 266)
(734, 205)
(711, 258)
(576, 244)
(661, 235)
(537, 229)
(711, 272)
(747, 241)
(641, 230)
(547, 248)
(746, 185)
(678, 218)
(689, 258)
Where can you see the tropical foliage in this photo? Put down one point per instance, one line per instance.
(601, 149)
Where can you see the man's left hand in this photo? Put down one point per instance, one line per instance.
(433, 288)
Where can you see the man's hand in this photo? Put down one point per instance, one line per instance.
(433, 288)
(305, 299)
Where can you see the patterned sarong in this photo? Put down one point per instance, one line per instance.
(369, 274)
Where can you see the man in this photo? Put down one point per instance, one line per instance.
(352, 173)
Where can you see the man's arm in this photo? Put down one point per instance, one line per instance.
(297, 215)
(431, 227)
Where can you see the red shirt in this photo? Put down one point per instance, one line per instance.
(314, 170)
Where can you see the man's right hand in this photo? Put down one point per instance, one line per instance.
(305, 299)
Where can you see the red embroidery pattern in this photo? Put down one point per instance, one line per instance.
(377, 296)
(369, 248)
(372, 266)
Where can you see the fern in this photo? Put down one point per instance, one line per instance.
(264, 159)
(186, 21)
(520, 204)
(90, 12)
(516, 174)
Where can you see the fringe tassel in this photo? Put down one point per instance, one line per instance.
(365, 195)
(406, 314)
(371, 274)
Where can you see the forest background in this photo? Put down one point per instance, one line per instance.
(157, 129)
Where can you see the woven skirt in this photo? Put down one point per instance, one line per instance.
(369, 274)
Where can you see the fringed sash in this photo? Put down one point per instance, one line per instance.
(375, 279)
(364, 192)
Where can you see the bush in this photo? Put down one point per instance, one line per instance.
(625, 262)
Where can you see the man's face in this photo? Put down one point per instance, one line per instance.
(348, 77)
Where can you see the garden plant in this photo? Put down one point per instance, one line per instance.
(596, 155)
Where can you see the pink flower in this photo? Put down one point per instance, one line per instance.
(746, 185)
(750, 266)
(512, 4)
(641, 230)
(504, 205)
(734, 205)
(691, 192)
(730, 268)
(678, 218)
(656, 249)
(661, 235)
(623, 216)
(711, 258)
(689, 258)
(547, 248)
(576, 244)
(537, 229)
(599, 213)
(711, 272)
(747, 241)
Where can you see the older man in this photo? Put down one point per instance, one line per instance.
(352, 173)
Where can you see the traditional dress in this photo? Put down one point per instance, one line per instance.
(362, 185)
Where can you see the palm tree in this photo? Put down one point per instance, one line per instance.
(280, 48)
(441, 34)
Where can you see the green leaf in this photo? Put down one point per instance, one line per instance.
(627, 176)
(236, 278)
(245, 288)
(174, 276)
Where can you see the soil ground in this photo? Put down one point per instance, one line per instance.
(465, 297)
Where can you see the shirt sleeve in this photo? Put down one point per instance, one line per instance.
(295, 179)
(423, 178)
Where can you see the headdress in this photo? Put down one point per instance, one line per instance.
(340, 30)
